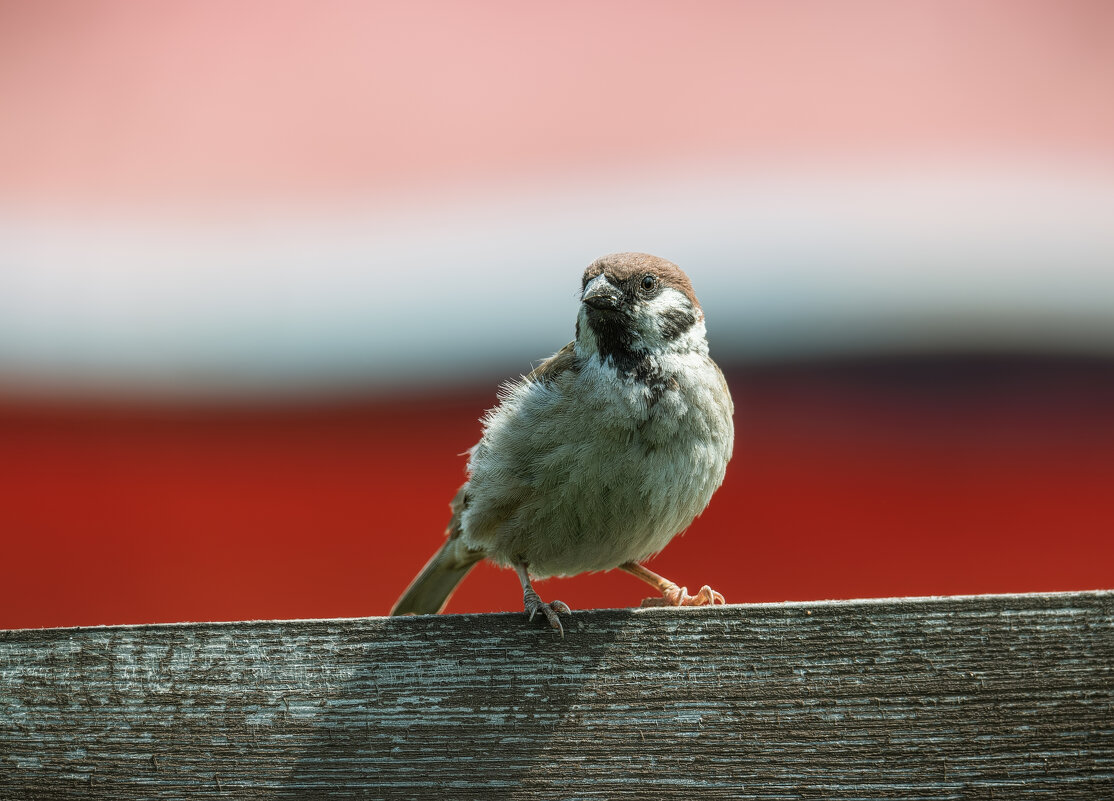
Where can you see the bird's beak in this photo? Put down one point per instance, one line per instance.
(601, 294)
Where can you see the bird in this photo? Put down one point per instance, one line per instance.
(599, 456)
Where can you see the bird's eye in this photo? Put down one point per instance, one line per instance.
(648, 282)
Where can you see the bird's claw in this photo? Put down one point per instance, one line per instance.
(679, 596)
(534, 605)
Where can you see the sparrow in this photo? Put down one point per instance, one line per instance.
(602, 454)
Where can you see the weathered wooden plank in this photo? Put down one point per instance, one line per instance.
(977, 697)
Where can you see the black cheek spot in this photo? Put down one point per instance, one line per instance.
(676, 322)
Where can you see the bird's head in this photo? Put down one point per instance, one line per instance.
(634, 304)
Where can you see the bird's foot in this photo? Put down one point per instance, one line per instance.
(534, 605)
(679, 596)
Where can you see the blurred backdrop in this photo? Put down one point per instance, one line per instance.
(263, 266)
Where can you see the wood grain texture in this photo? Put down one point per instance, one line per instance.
(975, 697)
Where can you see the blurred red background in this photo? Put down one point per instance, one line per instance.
(858, 479)
(213, 406)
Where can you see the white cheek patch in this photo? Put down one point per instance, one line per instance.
(666, 301)
(586, 338)
(672, 320)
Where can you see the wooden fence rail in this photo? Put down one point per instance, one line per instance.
(929, 698)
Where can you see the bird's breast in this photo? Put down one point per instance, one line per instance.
(588, 473)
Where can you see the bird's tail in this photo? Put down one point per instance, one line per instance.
(430, 590)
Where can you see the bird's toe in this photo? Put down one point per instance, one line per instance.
(535, 605)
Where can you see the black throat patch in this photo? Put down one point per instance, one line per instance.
(616, 345)
(612, 331)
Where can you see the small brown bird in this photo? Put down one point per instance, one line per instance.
(602, 454)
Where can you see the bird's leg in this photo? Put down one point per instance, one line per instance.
(671, 594)
(534, 604)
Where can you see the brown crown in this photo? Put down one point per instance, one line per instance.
(621, 267)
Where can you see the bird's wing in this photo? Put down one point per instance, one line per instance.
(560, 362)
